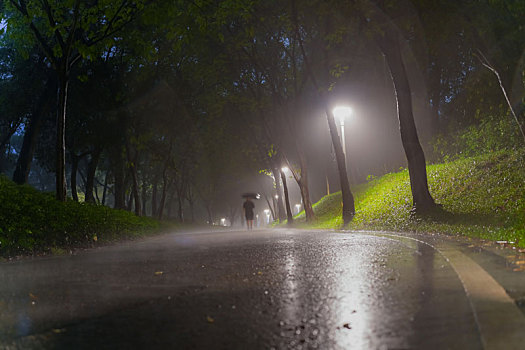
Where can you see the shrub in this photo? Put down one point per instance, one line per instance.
(491, 135)
(33, 221)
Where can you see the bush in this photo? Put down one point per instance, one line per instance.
(33, 221)
(491, 135)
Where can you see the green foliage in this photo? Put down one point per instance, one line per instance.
(482, 196)
(490, 135)
(31, 221)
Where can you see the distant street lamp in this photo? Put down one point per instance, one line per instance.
(267, 212)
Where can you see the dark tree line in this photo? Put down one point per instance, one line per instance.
(154, 105)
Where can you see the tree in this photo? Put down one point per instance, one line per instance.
(348, 210)
(68, 31)
(387, 36)
(421, 198)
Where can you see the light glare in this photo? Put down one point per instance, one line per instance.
(342, 112)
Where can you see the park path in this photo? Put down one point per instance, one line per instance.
(260, 289)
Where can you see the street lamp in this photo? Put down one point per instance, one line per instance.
(342, 112)
(298, 207)
(267, 212)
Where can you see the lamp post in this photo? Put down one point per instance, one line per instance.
(342, 113)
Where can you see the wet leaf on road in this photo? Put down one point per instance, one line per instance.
(32, 296)
(210, 319)
(58, 330)
(158, 273)
(347, 326)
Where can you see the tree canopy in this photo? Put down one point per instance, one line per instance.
(170, 108)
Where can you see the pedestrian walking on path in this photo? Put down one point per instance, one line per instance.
(248, 207)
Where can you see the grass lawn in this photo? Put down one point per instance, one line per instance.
(481, 197)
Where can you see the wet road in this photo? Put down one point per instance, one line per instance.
(279, 289)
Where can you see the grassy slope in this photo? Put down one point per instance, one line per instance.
(31, 221)
(482, 196)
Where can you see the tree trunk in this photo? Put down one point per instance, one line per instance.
(390, 46)
(170, 204)
(180, 188)
(105, 191)
(181, 208)
(120, 186)
(135, 190)
(154, 198)
(302, 181)
(270, 207)
(144, 194)
(348, 198)
(74, 169)
(90, 177)
(289, 214)
(132, 160)
(95, 190)
(280, 206)
(23, 164)
(163, 198)
(210, 216)
(63, 82)
(129, 207)
(190, 201)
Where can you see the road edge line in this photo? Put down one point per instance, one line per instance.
(500, 322)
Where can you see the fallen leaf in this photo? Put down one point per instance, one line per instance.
(32, 296)
(347, 326)
(58, 330)
(158, 273)
(210, 319)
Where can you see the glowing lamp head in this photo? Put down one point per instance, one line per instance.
(342, 112)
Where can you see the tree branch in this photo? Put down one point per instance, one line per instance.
(53, 23)
(485, 62)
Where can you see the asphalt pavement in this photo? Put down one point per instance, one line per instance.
(264, 289)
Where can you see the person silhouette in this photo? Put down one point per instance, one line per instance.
(248, 207)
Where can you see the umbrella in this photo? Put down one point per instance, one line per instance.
(252, 195)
